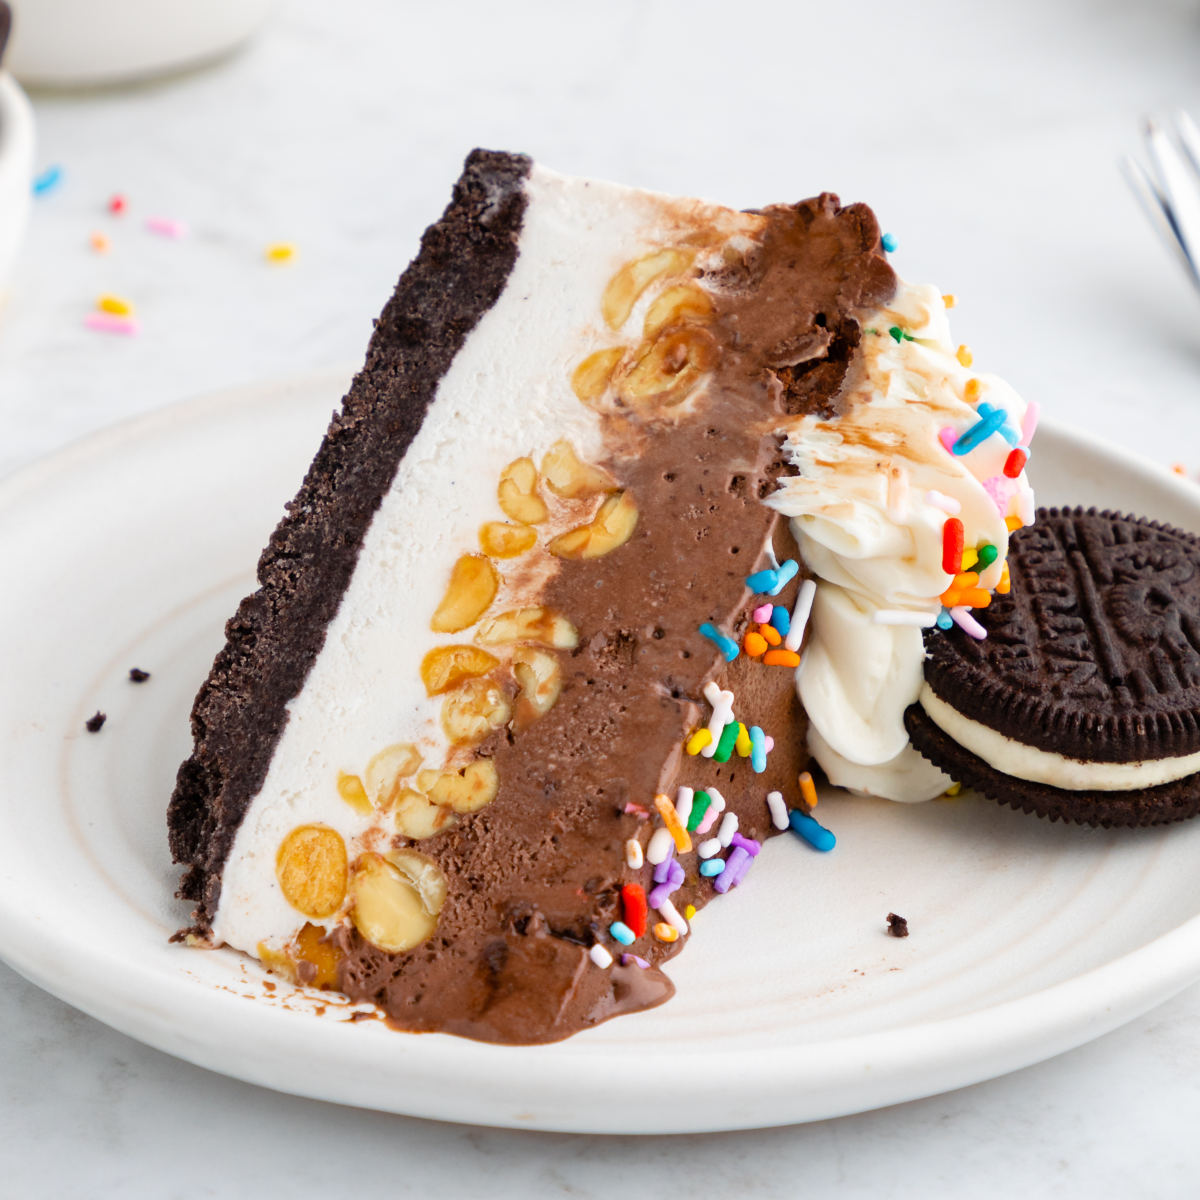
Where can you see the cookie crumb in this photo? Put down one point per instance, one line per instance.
(138, 675)
(92, 724)
(897, 926)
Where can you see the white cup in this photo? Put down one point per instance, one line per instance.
(16, 170)
(72, 43)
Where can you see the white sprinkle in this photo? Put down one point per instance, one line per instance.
(659, 848)
(718, 801)
(904, 616)
(946, 503)
(779, 812)
(722, 714)
(1025, 507)
(633, 854)
(671, 915)
(683, 805)
(709, 848)
(728, 828)
(804, 603)
(600, 956)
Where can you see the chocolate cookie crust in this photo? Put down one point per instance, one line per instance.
(276, 633)
(1095, 652)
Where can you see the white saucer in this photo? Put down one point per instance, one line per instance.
(133, 547)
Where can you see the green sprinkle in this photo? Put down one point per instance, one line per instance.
(900, 335)
(987, 554)
(700, 805)
(725, 745)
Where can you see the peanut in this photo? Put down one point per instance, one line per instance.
(539, 624)
(503, 540)
(635, 277)
(472, 711)
(311, 869)
(518, 494)
(396, 899)
(612, 526)
(472, 587)
(445, 667)
(540, 677)
(570, 478)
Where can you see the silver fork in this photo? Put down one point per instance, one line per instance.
(1170, 196)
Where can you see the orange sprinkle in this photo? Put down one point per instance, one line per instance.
(949, 299)
(968, 597)
(808, 789)
(1005, 583)
(781, 658)
(1012, 523)
(666, 810)
(665, 932)
(754, 643)
(771, 634)
(964, 355)
(971, 391)
(968, 579)
(99, 243)
(1179, 468)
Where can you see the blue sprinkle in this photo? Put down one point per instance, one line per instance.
(816, 835)
(622, 933)
(1006, 431)
(727, 646)
(787, 570)
(50, 178)
(712, 867)
(979, 432)
(762, 581)
(758, 749)
(888, 242)
(781, 619)
(945, 620)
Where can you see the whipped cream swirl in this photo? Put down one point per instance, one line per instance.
(874, 487)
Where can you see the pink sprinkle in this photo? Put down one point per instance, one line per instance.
(967, 623)
(762, 614)
(948, 437)
(768, 743)
(110, 323)
(635, 810)
(1029, 425)
(636, 959)
(1001, 489)
(709, 820)
(167, 226)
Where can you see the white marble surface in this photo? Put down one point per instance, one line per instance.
(985, 136)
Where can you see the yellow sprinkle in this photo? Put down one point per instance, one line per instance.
(808, 789)
(971, 391)
(99, 243)
(116, 305)
(665, 932)
(949, 299)
(690, 911)
(742, 745)
(1012, 523)
(964, 355)
(280, 252)
(666, 810)
(969, 559)
(698, 741)
(954, 789)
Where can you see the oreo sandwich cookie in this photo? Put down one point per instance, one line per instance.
(1082, 703)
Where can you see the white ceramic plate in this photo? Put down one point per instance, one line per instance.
(132, 548)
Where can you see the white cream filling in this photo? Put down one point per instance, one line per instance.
(864, 512)
(1043, 766)
(507, 394)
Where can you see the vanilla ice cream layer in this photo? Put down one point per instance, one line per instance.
(1022, 761)
(867, 508)
(507, 394)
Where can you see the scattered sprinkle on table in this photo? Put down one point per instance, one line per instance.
(104, 322)
(897, 926)
(99, 242)
(280, 252)
(94, 723)
(167, 227)
(117, 205)
(118, 306)
(888, 242)
(48, 180)
(137, 675)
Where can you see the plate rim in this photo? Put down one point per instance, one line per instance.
(1063, 1015)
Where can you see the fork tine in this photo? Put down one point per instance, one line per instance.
(1155, 208)
(1189, 138)
(1180, 193)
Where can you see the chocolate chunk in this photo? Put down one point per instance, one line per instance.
(897, 926)
(137, 675)
(94, 723)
